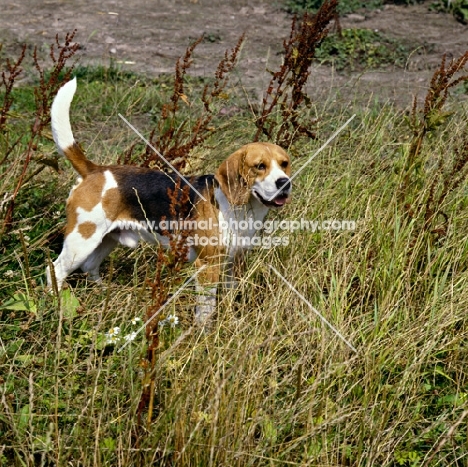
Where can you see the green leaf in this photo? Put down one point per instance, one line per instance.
(25, 359)
(69, 303)
(108, 443)
(456, 400)
(23, 418)
(269, 430)
(20, 302)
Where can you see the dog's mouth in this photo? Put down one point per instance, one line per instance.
(279, 201)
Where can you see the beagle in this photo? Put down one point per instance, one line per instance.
(124, 204)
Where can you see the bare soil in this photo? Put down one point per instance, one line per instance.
(149, 36)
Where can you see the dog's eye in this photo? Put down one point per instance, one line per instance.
(284, 164)
(261, 166)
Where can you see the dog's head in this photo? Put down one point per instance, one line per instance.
(261, 170)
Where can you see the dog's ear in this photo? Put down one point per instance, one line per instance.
(232, 180)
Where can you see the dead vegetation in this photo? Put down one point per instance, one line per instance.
(49, 82)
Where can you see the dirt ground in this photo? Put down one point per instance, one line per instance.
(149, 36)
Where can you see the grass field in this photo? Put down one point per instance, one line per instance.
(269, 383)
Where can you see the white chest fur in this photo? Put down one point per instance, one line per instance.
(239, 224)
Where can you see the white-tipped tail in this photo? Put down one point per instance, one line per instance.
(60, 116)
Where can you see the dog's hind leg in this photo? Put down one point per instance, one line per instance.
(94, 260)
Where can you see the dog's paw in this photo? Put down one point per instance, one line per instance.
(206, 305)
(94, 277)
(203, 313)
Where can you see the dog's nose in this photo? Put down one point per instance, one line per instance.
(283, 183)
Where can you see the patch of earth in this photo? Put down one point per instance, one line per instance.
(149, 36)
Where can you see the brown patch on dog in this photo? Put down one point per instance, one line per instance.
(114, 205)
(88, 194)
(212, 256)
(87, 229)
(72, 219)
(85, 196)
(111, 203)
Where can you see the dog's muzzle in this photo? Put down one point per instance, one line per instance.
(281, 197)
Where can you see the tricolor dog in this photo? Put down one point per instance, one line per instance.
(113, 204)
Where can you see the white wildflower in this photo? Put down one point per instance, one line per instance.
(172, 320)
(112, 336)
(111, 339)
(136, 320)
(130, 337)
(114, 331)
(9, 273)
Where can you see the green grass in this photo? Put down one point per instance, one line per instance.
(345, 6)
(361, 49)
(269, 384)
(459, 8)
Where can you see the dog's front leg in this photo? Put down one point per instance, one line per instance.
(233, 270)
(206, 288)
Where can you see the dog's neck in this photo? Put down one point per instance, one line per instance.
(254, 209)
(238, 224)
